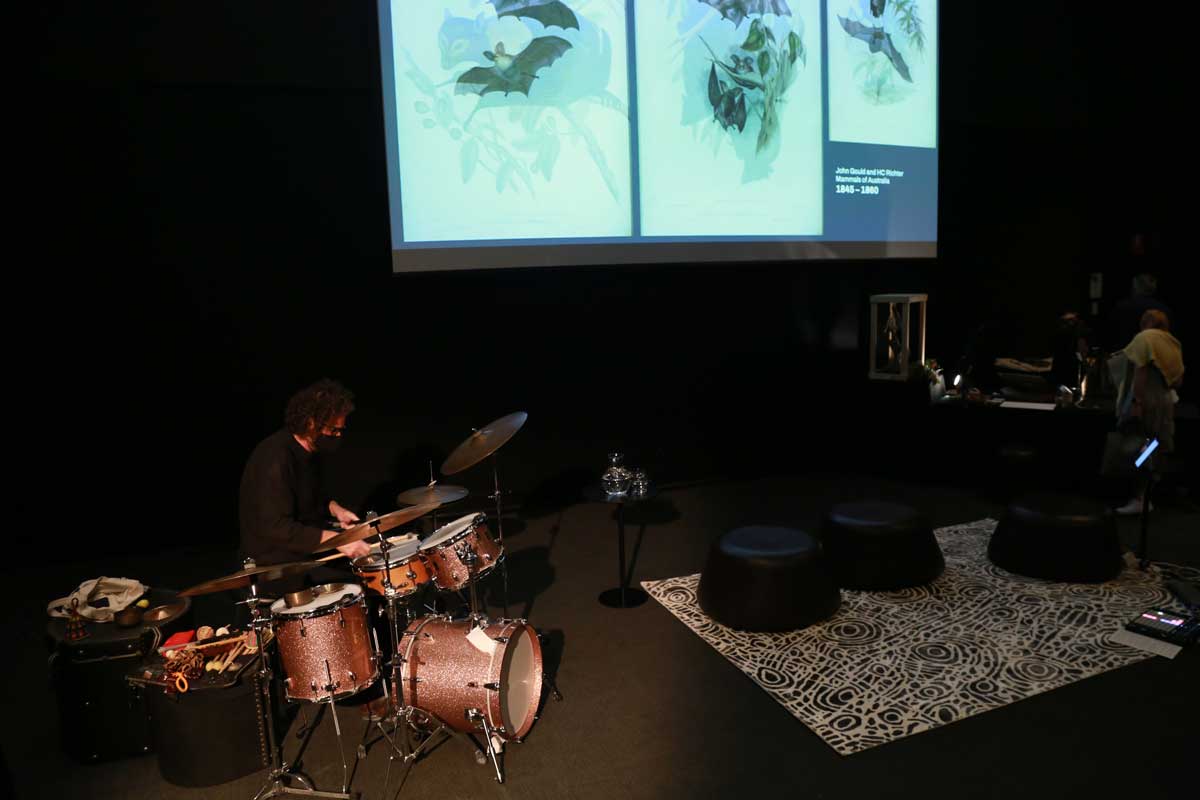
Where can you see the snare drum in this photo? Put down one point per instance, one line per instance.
(325, 644)
(496, 671)
(406, 567)
(448, 552)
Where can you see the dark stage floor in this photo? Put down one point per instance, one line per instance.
(650, 710)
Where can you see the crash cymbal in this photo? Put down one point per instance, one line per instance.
(377, 525)
(483, 442)
(245, 577)
(431, 494)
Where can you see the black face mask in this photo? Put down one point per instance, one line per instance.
(328, 444)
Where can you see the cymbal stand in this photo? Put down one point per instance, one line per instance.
(432, 483)
(500, 529)
(467, 555)
(392, 597)
(275, 785)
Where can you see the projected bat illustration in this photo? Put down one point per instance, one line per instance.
(512, 72)
(877, 42)
(547, 12)
(738, 10)
(729, 105)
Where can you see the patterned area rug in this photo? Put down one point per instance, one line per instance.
(891, 664)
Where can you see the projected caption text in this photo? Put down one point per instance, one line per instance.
(866, 181)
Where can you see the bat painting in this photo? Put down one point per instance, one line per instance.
(877, 42)
(512, 72)
(738, 10)
(729, 105)
(548, 12)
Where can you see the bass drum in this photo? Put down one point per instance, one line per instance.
(451, 668)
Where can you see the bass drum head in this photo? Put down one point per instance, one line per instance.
(521, 677)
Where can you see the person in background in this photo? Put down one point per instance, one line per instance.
(1124, 321)
(284, 513)
(1147, 396)
(1069, 351)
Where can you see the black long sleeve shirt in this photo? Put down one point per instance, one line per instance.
(281, 506)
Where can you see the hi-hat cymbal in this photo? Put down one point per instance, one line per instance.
(245, 577)
(483, 442)
(377, 525)
(431, 494)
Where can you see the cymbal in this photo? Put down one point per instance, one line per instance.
(431, 494)
(245, 577)
(483, 442)
(377, 525)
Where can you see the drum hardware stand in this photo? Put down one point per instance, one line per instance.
(478, 717)
(275, 785)
(466, 554)
(398, 715)
(551, 680)
(500, 529)
(432, 482)
(331, 687)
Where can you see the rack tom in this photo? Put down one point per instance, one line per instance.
(461, 552)
(405, 568)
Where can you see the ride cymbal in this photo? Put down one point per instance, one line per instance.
(483, 442)
(377, 525)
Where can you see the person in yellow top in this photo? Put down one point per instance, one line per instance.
(1147, 393)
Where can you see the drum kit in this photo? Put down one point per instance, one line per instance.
(440, 675)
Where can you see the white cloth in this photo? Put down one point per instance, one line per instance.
(120, 593)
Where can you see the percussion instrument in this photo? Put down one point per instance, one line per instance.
(483, 442)
(405, 568)
(248, 575)
(461, 552)
(431, 494)
(375, 526)
(463, 674)
(325, 644)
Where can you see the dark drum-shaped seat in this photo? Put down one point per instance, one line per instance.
(1059, 537)
(767, 579)
(876, 546)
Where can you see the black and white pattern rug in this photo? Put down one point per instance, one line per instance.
(891, 664)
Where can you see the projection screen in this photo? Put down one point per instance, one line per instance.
(540, 133)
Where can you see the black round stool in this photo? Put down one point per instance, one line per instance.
(1059, 537)
(881, 546)
(767, 579)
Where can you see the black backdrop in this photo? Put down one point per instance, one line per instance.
(208, 213)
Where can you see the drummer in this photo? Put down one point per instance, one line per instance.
(283, 509)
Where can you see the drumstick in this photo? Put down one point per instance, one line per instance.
(234, 653)
(332, 557)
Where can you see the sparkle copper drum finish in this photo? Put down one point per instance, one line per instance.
(448, 551)
(324, 644)
(405, 567)
(498, 672)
